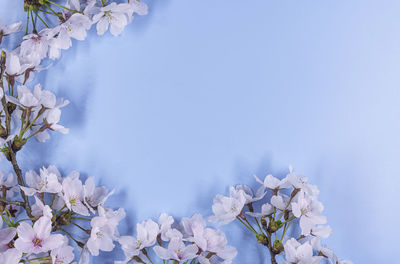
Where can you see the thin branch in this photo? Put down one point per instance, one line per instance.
(11, 202)
(20, 181)
(12, 155)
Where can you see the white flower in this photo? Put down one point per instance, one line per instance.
(177, 250)
(213, 240)
(75, 27)
(62, 255)
(6, 236)
(322, 231)
(47, 181)
(327, 253)
(248, 193)
(39, 209)
(11, 256)
(14, 66)
(6, 30)
(9, 183)
(301, 182)
(73, 194)
(214, 259)
(94, 196)
(104, 230)
(193, 225)
(34, 47)
(137, 7)
(266, 209)
(45, 98)
(12, 28)
(273, 183)
(25, 98)
(37, 239)
(85, 256)
(130, 247)
(300, 253)
(308, 209)
(53, 117)
(114, 16)
(280, 201)
(147, 232)
(226, 209)
(100, 236)
(165, 222)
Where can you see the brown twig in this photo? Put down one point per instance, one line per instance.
(11, 153)
(11, 202)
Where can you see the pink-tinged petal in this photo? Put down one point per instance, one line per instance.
(79, 208)
(42, 227)
(190, 252)
(32, 178)
(23, 246)
(7, 234)
(52, 242)
(106, 243)
(12, 256)
(25, 232)
(28, 191)
(102, 26)
(161, 252)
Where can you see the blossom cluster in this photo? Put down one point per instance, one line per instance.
(283, 214)
(42, 234)
(25, 112)
(188, 241)
(74, 19)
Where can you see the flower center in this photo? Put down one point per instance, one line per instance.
(37, 242)
(73, 200)
(108, 14)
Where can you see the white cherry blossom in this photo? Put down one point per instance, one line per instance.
(177, 250)
(37, 239)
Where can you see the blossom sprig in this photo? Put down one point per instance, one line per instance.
(72, 21)
(289, 221)
(25, 113)
(58, 205)
(189, 241)
(50, 28)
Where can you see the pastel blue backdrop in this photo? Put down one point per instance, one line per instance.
(198, 96)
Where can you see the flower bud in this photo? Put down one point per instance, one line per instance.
(32, 4)
(3, 132)
(274, 225)
(277, 247)
(264, 223)
(11, 107)
(65, 218)
(18, 143)
(7, 154)
(262, 239)
(3, 58)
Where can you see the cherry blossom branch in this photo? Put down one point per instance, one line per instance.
(271, 251)
(21, 182)
(11, 202)
(11, 155)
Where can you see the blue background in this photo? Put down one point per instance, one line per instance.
(200, 95)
